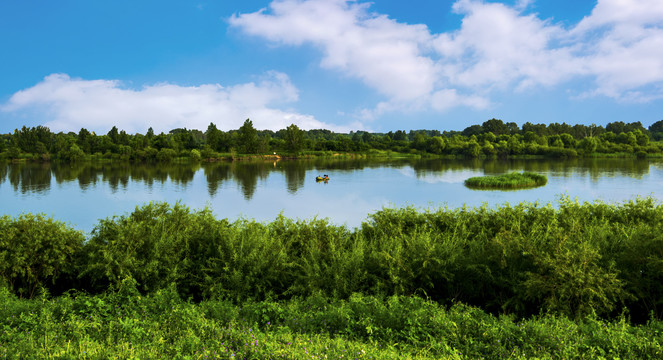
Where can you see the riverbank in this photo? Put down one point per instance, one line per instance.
(374, 154)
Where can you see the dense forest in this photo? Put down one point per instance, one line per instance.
(493, 138)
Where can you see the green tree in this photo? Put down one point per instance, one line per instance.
(435, 145)
(113, 134)
(83, 140)
(473, 149)
(294, 138)
(641, 139)
(248, 138)
(161, 141)
(588, 145)
(73, 153)
(419, 141)
(166, 155)
(400, 135)
(213, 136)
(195, 155)
(513, 128)
(656, 130)
(472, 130)
(183, 139)
(568, 140)
(496, 126)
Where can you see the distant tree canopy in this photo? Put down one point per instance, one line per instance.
(493, 138)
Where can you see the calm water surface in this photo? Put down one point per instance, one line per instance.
(81, 194)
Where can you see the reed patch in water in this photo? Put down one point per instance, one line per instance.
(507, 181)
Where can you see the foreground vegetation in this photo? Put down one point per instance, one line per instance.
(529, 280)
(493, 139)
(123, 324)
(507, 181)
(570, 259)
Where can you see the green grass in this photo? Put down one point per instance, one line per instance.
(124, 325)
(507, 181)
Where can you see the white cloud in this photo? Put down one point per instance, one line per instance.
(616, 51)
(448, 98)
(623, 48)
(71, 104)
(498, 47)
(385, 54)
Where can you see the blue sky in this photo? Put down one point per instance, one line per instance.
(334, 64)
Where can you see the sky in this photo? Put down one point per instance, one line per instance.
(340, 65)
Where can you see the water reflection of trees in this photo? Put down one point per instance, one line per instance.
(36, 177)
(216, 174)
(4, 169)
(247, 174)
(295, 174)
(592, 168)
(29, 177)
(120, 174)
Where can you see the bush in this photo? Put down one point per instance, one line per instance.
(37, 253)
(571, 259)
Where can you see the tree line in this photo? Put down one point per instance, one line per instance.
(493, 138)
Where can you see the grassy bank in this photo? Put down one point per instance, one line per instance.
(507, 181)
(122, 324)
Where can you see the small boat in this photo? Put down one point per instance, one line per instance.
(324, 178)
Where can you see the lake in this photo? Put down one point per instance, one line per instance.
(81, 194)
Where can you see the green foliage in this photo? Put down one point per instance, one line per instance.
(571, 259)
(195, 155)
(36, 253)
(248, 137)
(166, 155)
(294, 139)
(151, 246)
(507, 181)
(493, 138)
(122, 324)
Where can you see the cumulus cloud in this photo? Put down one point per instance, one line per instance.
(352, 40)
(98, 105)
(616, 51)
(622, 43)
(498, 47)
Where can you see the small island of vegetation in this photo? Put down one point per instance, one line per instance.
(507, 181)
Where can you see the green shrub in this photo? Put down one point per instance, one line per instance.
(36, 253)
(566, 258)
